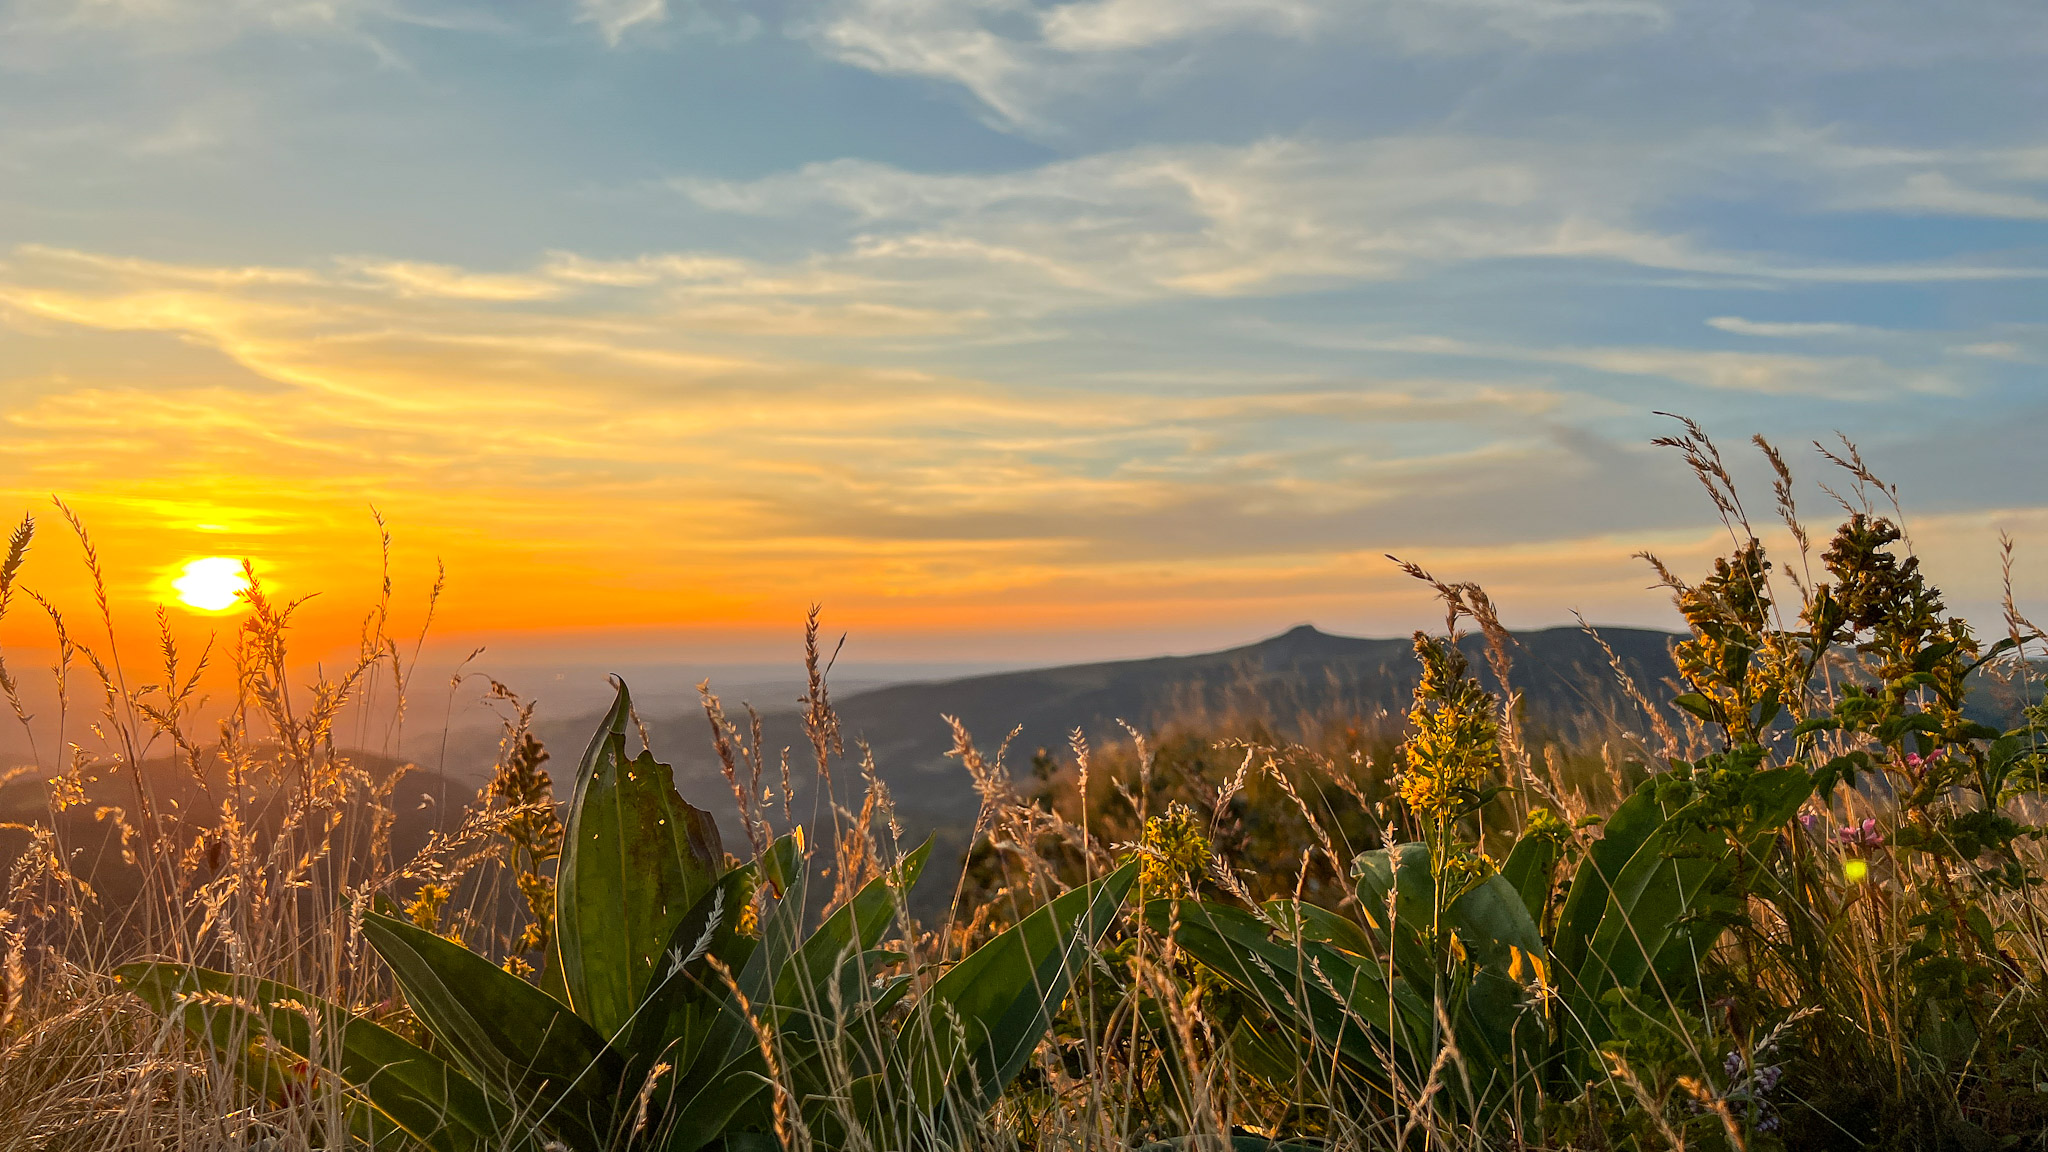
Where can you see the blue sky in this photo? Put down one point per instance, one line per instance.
(1009, 329)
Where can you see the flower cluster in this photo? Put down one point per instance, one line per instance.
(1754, 1087)
(1917, 766)
(1175, 853)
(1454, 741)
(1861, 836)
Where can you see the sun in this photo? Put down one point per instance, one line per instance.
(212, 584)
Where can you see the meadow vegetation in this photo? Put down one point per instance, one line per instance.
(1795, 902)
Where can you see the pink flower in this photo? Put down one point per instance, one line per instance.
(1864, 835)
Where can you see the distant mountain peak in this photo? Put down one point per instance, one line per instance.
(1306, 642)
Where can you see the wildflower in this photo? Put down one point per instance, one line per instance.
(424, 910)
(1917, 766)
(1755, 1088)
(1454, 740)
(1174, 852)
(1861, 836)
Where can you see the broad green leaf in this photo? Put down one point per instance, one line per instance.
(1654, 922)
(635, 858)
(1489, 918)
(511, 1036)
(1659, 885)
(1773, 797)
(1530, 868)
(1496, 1020)
(1507, 954)
(1397, 893)
(1342, 1001)
(853, 928)
(972, 1031)
(1621, 835)
(674, 1017)
(1699, 706)
(1312, 923)
(727, 1077)
(822, 994)
(416, 1089)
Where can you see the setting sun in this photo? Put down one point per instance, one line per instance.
(211, 584)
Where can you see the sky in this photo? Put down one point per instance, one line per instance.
(1009, 331)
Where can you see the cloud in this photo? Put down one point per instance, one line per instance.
(1844, 175)
(1995, 350)
(584, 460)
(1285, 215)
(492, 410)
(614, 17)
(1850, 378)
(1017, 58)
(1783, 329)
(411, 278)
(1277, 215)
(1123, 25)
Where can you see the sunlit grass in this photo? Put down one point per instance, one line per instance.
(1867, 972)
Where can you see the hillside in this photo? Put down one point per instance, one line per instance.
(1284, 681)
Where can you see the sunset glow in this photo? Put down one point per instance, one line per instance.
(212, 584)
(1038, 350)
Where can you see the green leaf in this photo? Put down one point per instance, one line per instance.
(635, 858)
(1498, 1028)
(511, 1036)
(853, 928)
(1408, 921)
(970, 1034)
(2007, 644)
(1531, 868)
(1320, 924)
(1699, 706)
(416, 1089)
(1342, 1001)
(1773, 797)
(1624, 833)
(1493, 926)
(1658, 917)
(1660, 884)
(727, 1079)
(674, 1018)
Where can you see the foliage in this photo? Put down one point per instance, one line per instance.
(1796, 902)
(680, 1029)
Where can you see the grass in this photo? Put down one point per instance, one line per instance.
(1870, 974)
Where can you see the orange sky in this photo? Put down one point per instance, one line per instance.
(601, 479)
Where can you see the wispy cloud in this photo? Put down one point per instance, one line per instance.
(1783, 329)
(1206, 220)
(1289, 214)
(614, 17)
(1017, 57)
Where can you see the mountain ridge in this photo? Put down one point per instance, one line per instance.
(1569, 691)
